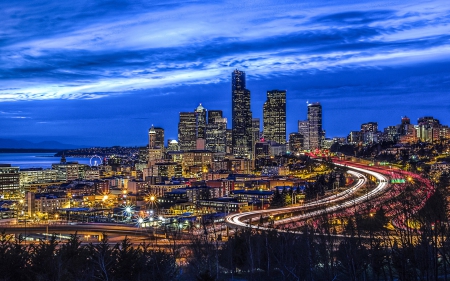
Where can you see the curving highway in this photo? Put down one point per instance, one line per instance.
(342, 200)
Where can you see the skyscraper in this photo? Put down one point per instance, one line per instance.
(187, 131)
(241, 116)
(155, 137)
(296, 142)
(216, 135)
(200, 113)
(213, 114)
(274, 117)
(315, 125)
(303, 129)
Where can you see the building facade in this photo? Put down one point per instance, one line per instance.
(241, 116)
(274, 117)
(187, 131)
(315, 125)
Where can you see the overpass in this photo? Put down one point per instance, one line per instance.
(318, 208)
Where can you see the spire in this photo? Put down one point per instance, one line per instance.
(200, 108)
(63, 159)
(152, 130)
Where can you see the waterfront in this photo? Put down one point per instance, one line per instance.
(36, 160)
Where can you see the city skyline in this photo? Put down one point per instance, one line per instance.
(103, 73)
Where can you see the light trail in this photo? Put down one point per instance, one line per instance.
(243, 220)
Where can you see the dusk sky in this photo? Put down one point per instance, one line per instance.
(100, 73)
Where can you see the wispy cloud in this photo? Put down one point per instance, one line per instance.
(90, 50)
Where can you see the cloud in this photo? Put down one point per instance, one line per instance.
(91, 50)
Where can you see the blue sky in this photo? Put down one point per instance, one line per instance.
(102, 72)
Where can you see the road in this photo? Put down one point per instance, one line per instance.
(342, 201)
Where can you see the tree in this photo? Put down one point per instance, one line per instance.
(277, 199)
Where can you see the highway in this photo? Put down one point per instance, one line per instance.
(342, 200)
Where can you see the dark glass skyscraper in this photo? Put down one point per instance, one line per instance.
(315, 125)
(155, 137)
(274, 117)
(213, 114)
(241, 116)
(187, 130)
(200, 113)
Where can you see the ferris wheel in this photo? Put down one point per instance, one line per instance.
(95, 161)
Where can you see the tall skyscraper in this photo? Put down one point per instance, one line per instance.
(315, 125)
(256, 133)
(241, 116)
(274, 117)
(296, 142)
(303, 129)
(155, 137)
(216, 135)
(200, 113)
(187, 131)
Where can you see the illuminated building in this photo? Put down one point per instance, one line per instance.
(303, 129)
(295, 142)
(216, 132)
(155, 137)
(241, 116)
(213, 114)
(187, 131)
(173, 145)
(9, 181)
(428, 129)
(45, 203)
(31, 177)
(200, 119)
(274, 117)
(256, 133)
(315, 125)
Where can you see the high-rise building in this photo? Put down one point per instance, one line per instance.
(369, 132)
(155, 137)
(428, 129)
(241, 116)
(200, 114)
(274, 117)
(369, 127)
(315, 125)
(187, 131)
(216, 134)
(9, 181)
(303, 129)
(296, 142)
(256, 133)
(213, 114)
(405, 124)
(229, 141)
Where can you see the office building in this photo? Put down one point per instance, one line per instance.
(156, 137)
(187, 131)
(241, 116)
(274, 117)
(295, 142)
(213, 114)
(216, 134)
(9, 181)
(428, 129)
(303, 129)
(200, 119)
(315, 125)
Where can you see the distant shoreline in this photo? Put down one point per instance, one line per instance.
(29, 150)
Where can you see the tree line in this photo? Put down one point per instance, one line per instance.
(360, 247)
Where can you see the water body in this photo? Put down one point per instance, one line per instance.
(36, 160)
